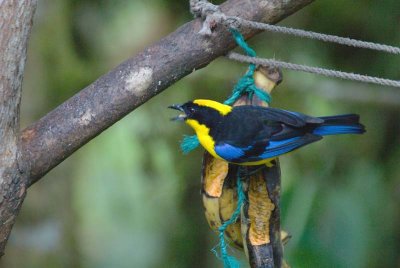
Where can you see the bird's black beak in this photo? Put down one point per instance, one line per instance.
(180, 117)
(176, 107)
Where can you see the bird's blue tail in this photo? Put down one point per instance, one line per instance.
(340, 124)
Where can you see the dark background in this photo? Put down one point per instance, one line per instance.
(131, 199)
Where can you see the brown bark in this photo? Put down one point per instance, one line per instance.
(15, 24)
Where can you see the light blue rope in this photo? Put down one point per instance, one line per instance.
(189, 143)
(230, 261)
(245, 85)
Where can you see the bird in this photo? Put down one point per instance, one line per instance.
(254, 135)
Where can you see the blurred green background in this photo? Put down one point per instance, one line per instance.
(130, 198)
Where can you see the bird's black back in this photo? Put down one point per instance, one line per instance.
(247, 124)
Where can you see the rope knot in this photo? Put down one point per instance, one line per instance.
(201, 8)
(209, 12)
(212, 15)
(246, 83)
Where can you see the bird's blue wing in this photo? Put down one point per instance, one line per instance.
(229, 152)
(276, 148)
(263, 149)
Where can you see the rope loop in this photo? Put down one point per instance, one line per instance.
(246, 84)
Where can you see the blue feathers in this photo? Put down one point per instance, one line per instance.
(339, 124)
(276, 148)
(259, 151)
(229, 152)
(333, 130)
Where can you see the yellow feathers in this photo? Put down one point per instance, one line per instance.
(202, 132)
(222, 108)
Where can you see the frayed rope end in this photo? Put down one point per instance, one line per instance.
(189, 143)
(231, 262)
(227, 260)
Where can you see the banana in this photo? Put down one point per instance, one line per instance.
(213, 176)
(219, 194)
(228, 203)
(220, 197)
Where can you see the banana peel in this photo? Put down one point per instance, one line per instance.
(219, 195)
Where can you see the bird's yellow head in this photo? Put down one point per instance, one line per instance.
(201, 112)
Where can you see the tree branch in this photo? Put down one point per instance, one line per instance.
(53, 138)
(15, 25)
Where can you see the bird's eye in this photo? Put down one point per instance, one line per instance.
(191, 110)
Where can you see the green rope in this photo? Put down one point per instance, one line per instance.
(230, 261)
(245, 85)
(189, 143)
